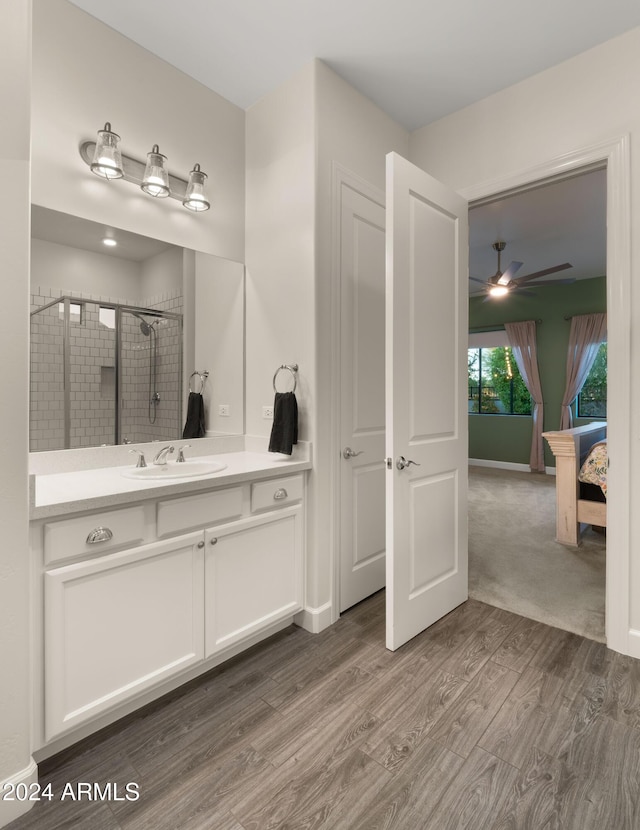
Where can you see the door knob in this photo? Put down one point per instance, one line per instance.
(348, 453)
(402, 462)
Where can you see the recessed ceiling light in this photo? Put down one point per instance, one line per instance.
(109, 242)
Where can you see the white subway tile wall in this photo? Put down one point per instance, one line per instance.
(92, 382)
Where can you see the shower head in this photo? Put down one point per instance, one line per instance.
(145, 327)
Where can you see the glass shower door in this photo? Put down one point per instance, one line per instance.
(150, 375)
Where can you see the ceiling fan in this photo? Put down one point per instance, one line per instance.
(502, 283)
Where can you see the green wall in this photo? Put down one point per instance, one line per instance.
(508, 437)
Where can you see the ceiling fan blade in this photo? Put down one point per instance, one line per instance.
(506, 278)
(475, 279)
(543, 273)
(566, 281)
(522, 292)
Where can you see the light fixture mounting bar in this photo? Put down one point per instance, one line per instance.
(134, 171)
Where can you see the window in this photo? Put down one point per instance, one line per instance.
(592, 400)
(495, 384)
(75, 312)
(107, 316)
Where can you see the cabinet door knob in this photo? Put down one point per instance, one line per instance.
(280, 494)
(213, 541)
(100, 534)
(200, 544)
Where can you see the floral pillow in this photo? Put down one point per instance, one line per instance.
(594, 469)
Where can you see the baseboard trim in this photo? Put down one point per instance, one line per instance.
(315, 620)
(10, 810)
(633, 647)
(507, 465)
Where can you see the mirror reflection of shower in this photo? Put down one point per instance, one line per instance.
(104, 372)
(150, 330)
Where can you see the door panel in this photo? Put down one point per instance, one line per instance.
(426, 337)
(362, 495)
(432, 256)
(430, 499)
(367, 499)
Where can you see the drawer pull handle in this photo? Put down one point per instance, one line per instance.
(213, 541)
(100, 534)
(280, 494)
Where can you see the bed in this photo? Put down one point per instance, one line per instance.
(581, 468)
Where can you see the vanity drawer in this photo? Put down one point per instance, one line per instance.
(178, 515)
(276, 492)
(93, 534)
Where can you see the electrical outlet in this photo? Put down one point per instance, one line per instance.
(223, 410)
(267, 412)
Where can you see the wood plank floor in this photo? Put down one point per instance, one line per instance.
(487, 721)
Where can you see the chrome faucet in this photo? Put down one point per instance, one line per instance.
(181, 459)
(161, 457)
(141, 459)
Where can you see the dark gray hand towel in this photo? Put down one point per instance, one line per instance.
(194, 425)
(284, 432)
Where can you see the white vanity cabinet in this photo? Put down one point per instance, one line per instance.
(118, 625)
(253, 575)
(169, 588)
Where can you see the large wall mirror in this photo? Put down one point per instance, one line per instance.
(123, 327)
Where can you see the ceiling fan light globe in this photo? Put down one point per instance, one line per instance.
(498, 291)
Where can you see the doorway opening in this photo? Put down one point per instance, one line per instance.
(615, 156)
(556, 229)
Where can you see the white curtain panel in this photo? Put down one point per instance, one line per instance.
(588, 331)
(522, 338)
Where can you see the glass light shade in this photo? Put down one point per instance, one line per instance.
(195, 198)
(498, 291)
(107, 160)
(156, 177)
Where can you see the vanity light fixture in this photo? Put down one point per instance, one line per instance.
(195, 197)
(105, 159)
(156, 177)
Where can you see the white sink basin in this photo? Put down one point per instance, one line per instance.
(186, 469)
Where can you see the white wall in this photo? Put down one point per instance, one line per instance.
(280, 247)
(15, 690)
(219, 342)
(589, 99)
(85, 74)
(75, 271)
(161, 274)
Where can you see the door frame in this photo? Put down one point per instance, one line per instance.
(614, 156)
(340, 177)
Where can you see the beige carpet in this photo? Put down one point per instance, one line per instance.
(514, 562)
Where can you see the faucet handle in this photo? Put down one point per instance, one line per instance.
(181, 457)
(141, 459)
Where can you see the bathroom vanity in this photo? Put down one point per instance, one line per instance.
(140, 585)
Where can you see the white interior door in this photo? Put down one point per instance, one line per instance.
(426, 347)
(362, 447)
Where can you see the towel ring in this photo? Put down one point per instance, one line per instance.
(290, 367)
(202, 375)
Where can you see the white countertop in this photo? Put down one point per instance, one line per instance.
(57, 494)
